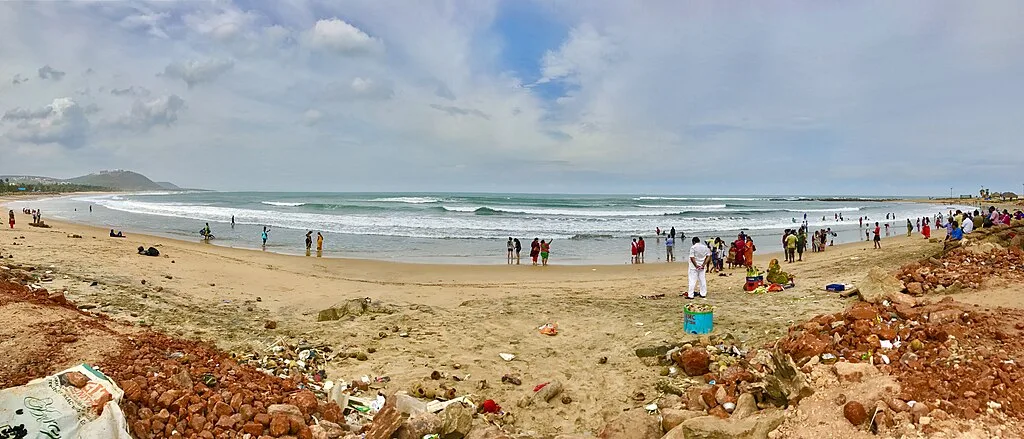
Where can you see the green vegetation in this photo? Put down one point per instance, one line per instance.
(13, 186)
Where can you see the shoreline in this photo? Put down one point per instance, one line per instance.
(655, 253)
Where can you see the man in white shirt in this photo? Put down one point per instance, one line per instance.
(968, 225)
(700, 257)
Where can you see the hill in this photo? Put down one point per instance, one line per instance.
(169, 186)
(118, 180)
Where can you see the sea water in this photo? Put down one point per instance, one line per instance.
(474, 228)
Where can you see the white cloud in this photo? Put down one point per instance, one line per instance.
(585, 51)
(224, 22)
(198, 71)
(130, 91)
(62, 122)
(146, 114)
(335, 35)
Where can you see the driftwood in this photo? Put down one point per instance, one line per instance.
(548, 392)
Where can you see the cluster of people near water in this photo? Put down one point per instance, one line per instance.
(539, 249)
(959, 223)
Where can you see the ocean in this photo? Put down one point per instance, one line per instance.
(472, 228)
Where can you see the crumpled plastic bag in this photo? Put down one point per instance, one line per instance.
(78, 403)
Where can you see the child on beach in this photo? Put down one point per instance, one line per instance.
(634, 253)
(510, 248)
(878, 236)
(545, 250)
(264, 236)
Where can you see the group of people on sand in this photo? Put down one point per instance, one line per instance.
(309, 242)
(741, 252)
(959, 223)
(539, 249)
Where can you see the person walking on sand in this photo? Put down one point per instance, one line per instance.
(510, 248)
(878, 236)
(545, 251)
(634, 253)
(910, 227)
(700, 254)
(640, 247)
(518, 247)
(265, 236)
(535, 250)
(670, 255)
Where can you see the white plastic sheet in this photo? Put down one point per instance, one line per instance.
(55, 408)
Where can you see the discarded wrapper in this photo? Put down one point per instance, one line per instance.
(507, 357)
(549, 329)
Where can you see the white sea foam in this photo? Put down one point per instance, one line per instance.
(410, 200)
(652, 211)
(282, 204)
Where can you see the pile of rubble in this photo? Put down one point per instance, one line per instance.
(951, 361)
(965, 267)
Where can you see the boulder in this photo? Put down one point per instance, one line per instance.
(633, 424)
(456, 421)
(711, 427)
(420, 425)
(784, 384)
(876, 284)
(694, 361)
(862, 311)
(671, 418)
(746, 405)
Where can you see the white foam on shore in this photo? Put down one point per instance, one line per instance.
(282, 204)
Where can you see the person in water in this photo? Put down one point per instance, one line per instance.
(518, 246)
(319, 242)
(545, 251)
(265, 236)
(510, 248)
(309, 241)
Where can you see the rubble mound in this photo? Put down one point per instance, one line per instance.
(946, 356)
(963, 268)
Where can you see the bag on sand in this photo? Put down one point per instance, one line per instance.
(78, 403)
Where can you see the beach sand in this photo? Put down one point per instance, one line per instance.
(451, 313)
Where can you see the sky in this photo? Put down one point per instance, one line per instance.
(687, 97)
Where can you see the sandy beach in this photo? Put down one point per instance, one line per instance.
(452, 314)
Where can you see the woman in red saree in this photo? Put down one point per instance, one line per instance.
(750, 248)
(741, 251)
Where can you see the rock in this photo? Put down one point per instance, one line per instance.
(253, 428)
(456, 421)
(76, 379)
(284, 409)
(878, 282)
(633, 424)
(805, 345)
(710, 427)
(654, 351)
(719, 412)
(862, 311)
(939, 415)
(707, 397)
(279, 425)
(420, 425)
(328, 314)
(854, 372)
(551, 390)
(915, 289)
(671, 418)
(855, 413)
(784, 383)
(746, 405)
(487, 432)
(898, 405)
(270, 324)
(305, 400)
(694, 361)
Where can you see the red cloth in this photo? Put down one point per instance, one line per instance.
(490, 406)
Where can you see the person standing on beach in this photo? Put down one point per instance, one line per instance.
(741, 250)
(672, 232)
(670, 255)
(319, 244)
(545, 251)
(11, 214)
(910, 227)
(750, 248)
(265, 236)
(791, 243)
(510, 248)
(309, 241)
(634, 253)
(535, 250)
(801, 243)
(699, 256)
(518, 247)
(878, 236)
(640, 247)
